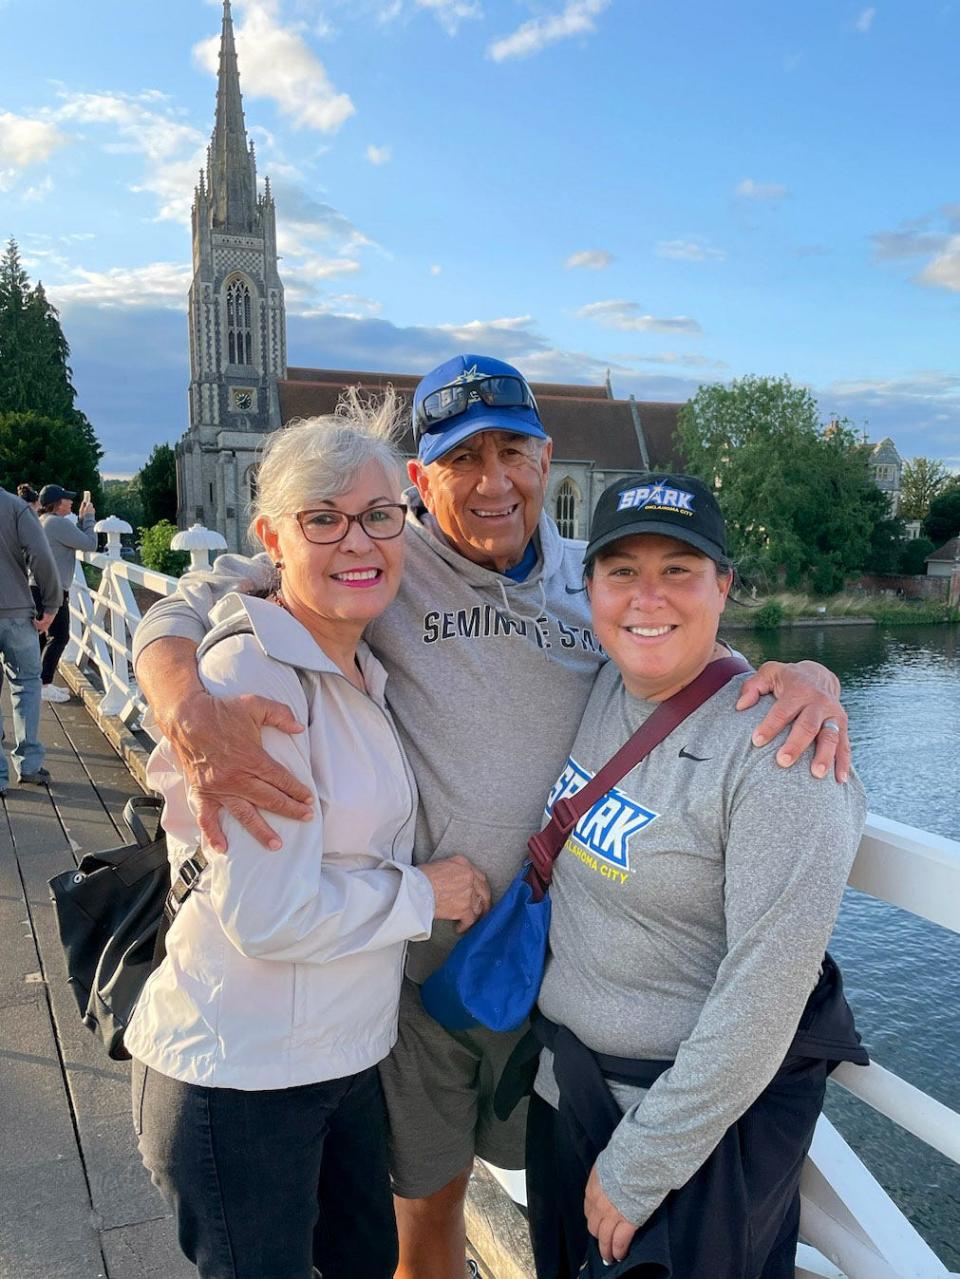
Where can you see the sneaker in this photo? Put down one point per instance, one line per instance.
(40, 778)
(54, 693)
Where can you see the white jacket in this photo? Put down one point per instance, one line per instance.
(284, 968)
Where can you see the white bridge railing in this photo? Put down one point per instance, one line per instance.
(851, 1227)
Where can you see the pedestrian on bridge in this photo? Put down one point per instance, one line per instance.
(66, 538)
(24, 550)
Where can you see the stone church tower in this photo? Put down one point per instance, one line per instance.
(237, 322)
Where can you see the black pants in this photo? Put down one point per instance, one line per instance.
(270, 1184)
(736, 1218)
(55, 641)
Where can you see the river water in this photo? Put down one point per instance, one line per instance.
(902, 974)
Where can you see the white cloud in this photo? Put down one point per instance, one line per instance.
(865, 19)
(928, 383)
(450, 13)
(481, 334)
(576, 18)
(144, 124)
(25, 142)
(314, 267)
(435, 269)
(378, 155)
(750, 189)
(675, 358)
(349, 306)
(932, 233)
(628, 318)
(589, 260)
(891, 246)
(943, 271)
(277, 63)
(161, 285)
(37, 193)
(689, 251)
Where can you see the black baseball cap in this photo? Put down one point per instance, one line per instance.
(679, 506)
(51, 493)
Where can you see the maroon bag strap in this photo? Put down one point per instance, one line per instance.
(545, 846)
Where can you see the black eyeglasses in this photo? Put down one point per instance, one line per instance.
(327, 525)
(500, 391)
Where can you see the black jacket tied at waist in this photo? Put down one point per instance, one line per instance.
(737, 1217)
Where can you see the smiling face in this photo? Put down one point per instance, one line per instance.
(487, 494)
(336, 588)
(656, 605)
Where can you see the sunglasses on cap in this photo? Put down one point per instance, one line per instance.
(497, 391)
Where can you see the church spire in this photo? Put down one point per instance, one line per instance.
(233, 182)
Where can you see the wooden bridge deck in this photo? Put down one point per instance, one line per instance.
(75, 1201)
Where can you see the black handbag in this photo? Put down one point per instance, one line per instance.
(113, 913)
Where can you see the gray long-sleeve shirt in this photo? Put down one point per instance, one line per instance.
(691, 909)
(24, 551)
(66, 538)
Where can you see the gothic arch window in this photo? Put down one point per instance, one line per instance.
(239, 322)
(567, 508)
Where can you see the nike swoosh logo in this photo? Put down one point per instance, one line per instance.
(574, 590)
(697, 759)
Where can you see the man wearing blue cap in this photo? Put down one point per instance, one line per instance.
(490, 658)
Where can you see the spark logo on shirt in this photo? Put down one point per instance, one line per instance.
(608, 827)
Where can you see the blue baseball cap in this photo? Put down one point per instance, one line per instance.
(467, 395)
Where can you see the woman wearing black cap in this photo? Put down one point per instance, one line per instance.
(675, 1099)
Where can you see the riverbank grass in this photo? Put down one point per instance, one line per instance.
(772, 611)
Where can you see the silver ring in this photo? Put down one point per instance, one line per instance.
(831, 723)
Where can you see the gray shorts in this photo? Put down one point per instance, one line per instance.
(439, 1087)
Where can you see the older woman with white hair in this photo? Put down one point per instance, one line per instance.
(256, 1097)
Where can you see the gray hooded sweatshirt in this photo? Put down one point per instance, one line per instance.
(488, 679)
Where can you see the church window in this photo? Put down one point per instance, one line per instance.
(566, 509)
(239, 323)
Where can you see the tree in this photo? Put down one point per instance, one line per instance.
(923, 478)
(887, 541)
(799, 500)
(157, 481)
(943, 520)
(40, 450)
(122, 498)
(155, 549)
(913, 556)
(35, 376)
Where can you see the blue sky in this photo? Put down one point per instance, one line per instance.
(681, 191)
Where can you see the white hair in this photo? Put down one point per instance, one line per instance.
(317, 458)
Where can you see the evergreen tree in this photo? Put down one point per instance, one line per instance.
(43, 450)
(943, 520)
(35, 376)
(157, 482)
